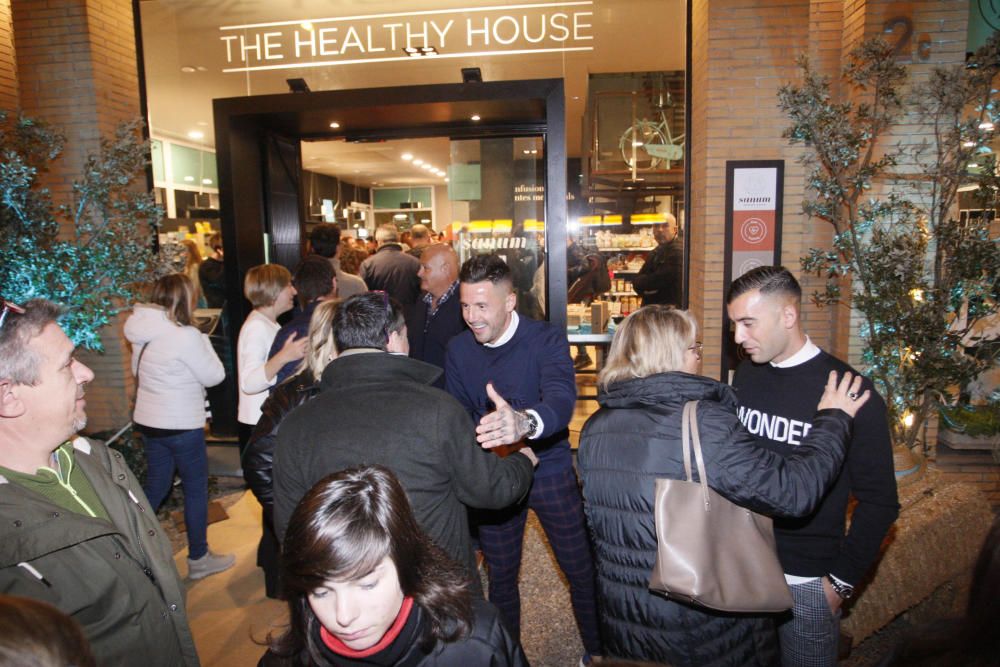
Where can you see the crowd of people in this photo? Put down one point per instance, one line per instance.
(401, 420)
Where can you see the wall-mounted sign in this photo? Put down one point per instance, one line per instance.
(753, 232)
(442, 33)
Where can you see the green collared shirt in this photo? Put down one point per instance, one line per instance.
(64, 484)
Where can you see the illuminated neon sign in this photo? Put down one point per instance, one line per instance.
(453, 33)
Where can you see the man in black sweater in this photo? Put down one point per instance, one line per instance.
(778, 389)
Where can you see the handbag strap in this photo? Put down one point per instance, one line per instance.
(138, 363)
(691, 439)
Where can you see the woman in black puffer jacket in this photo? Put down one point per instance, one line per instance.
(258, 459)
(635, 438)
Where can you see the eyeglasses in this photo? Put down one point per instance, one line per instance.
(697, 348)
(9, 307)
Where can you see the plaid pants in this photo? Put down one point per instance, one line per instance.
(557, 502)
(810, 637)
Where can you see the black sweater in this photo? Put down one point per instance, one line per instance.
(777, 406)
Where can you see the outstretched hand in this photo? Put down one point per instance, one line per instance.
(843, 394)
(503, 426)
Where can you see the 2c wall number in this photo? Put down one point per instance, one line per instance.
(901, 27)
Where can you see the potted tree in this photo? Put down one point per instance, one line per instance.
(923, 278)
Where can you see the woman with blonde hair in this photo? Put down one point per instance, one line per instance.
(173, 362)
(268, 287)
(258, 459)
(635, 437)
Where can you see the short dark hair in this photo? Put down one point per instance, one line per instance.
(485, 267)
(215, 241)
(313, 279)
(324, 239)
(767, 279)
(18, 363)
(366, 320)
(342, 529)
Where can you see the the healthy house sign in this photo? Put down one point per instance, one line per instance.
(452, 33)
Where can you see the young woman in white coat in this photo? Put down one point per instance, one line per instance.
(173, 362)
(268, 287)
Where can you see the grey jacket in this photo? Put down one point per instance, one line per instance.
(118, 579)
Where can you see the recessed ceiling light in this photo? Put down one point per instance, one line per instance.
(526, 151)
(196, 134)
(188, 69)
(206, 181)
(418, 162)
(445, 180)
(475, 116)
(428, 167)
(201, 68)
(407, 156)
(306, 25)
(189, 179)
(335, 125)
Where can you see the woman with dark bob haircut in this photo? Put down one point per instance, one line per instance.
(366, 586)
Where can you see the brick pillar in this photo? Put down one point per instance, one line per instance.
(742, 51)
(8, 63)
(76, 68)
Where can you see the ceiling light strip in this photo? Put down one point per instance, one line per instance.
(361, 61)
(429, 12)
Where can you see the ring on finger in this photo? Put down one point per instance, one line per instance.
(853, 395)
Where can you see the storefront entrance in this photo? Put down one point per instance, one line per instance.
(498, 203)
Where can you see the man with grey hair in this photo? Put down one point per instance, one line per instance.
(420, 238)
(76, 530)
(390, 269)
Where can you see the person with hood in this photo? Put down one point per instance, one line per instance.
(173, 363)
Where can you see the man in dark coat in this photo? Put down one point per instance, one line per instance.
(392, 270)
(661, 278)
(375, 407)
(437, 316)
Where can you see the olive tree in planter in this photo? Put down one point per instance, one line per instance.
(105, 251)
(921, 278)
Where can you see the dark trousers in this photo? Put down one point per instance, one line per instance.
(185, 453)
(557, 502)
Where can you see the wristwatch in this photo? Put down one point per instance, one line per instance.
(845, 591)
(532, 422)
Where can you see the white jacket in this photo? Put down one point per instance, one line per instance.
(178, 364)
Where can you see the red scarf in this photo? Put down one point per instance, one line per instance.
(388, 638)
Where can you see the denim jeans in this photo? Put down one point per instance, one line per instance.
(186, 452)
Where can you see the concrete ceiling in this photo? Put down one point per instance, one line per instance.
(185, 58)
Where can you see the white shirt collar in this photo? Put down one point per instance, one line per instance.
(807, 352)
(509, 333)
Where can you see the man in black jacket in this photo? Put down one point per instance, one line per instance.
(376, 407)
(436, 317)
(660, 278)
(390, 269)
(778, 389)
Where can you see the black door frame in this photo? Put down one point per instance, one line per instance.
(243, 125)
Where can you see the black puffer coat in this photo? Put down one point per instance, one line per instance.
(634, 438)
(258, 459)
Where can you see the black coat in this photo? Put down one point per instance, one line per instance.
(488, 645)
(258, 459)
(635, 438)
(429, 338)
(393, 271)
(661, 278)
(379, 408)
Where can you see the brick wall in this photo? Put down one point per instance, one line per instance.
(77, 70)
(742, 51)
(8, 63)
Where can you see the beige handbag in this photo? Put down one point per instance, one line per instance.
(709, 551)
